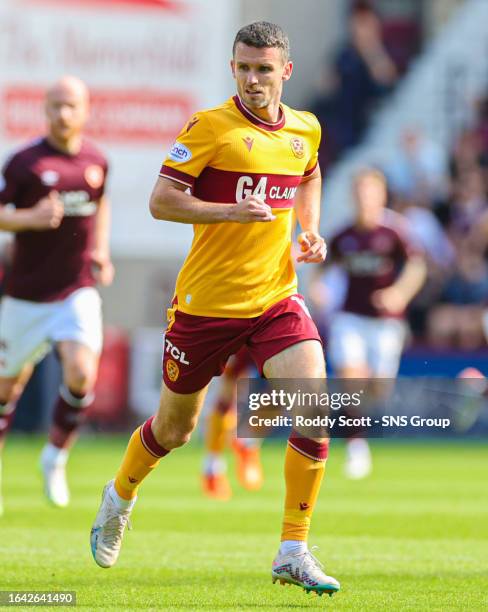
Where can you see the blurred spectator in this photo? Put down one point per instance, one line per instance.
(468, 203)
(457, 321)
(482, 129)
(363, 73)
(402, 31)
(418, 170)
(469, 281)
(467, 154)
(447, 205)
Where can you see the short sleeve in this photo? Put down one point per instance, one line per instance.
(406, 245)
(315, 138)
(10, 181)
(191, 152)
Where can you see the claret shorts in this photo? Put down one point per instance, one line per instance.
(197, 348)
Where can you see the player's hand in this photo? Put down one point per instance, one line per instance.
(389, 300)
(251, 210)
(102, 268)
(47, 213)
(313, 247)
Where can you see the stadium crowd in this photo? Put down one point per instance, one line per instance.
(444, 196)
(441, 194)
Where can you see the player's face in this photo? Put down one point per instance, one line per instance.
(66, 112)
(259, 75)
(370, 200)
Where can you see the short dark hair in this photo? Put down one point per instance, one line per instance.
(262, 34)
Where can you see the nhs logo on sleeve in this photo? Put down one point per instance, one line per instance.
(180, 153)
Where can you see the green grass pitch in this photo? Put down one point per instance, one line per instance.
(414, 536)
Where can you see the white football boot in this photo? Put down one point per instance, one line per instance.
(53, 467)
(303, 570)
(108, 529)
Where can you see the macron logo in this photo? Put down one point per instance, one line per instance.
(180, 153)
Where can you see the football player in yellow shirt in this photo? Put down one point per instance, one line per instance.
(239, 173)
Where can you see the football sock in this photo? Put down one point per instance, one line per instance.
(69, 415)
(304, 470)
(214, 464)
(221, 420)
(224, 406)
(141, 457)
(120, 502)
(54, 455)
(293, 547)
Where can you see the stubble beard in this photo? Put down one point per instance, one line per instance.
(256, 103)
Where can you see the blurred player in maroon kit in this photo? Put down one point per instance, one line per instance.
(384, 272)
(60, 218)
(221, 427)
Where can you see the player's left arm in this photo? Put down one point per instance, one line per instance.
(102, 268)
(307, 207)
(397, 296)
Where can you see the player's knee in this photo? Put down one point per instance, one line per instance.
(170, 437)
(177, 438)
(79, 379)
(8, 391)
(180, 439)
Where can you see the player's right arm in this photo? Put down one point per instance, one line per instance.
(45, 215)
(171, 200)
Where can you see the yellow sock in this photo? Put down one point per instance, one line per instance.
(141, 457)
(219, 425)
(303, 477)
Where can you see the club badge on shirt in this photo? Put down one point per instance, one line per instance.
(49, 178)
(94, 176)
(298, 147)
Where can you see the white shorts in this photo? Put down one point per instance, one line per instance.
(29, 329)
(359, 341)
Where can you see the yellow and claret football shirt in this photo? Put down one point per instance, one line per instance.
(223, 155)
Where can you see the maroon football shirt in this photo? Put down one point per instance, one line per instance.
(372, 260)
(48, 265)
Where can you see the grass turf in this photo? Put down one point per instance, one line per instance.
(414, 536)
